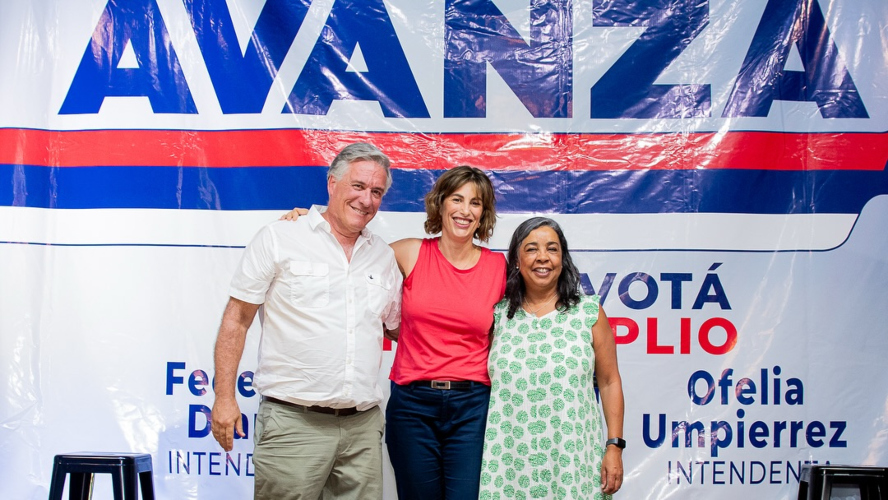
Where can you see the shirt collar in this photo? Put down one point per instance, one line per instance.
(315, 219)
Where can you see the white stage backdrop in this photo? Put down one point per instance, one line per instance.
(719, 168)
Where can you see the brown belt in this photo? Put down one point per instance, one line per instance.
(338, 412)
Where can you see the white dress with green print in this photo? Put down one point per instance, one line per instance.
(544, 432)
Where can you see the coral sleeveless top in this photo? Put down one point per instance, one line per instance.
(446, 315)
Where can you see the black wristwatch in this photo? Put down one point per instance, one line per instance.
(618, 442)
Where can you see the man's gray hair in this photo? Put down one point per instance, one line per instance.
(357, 152)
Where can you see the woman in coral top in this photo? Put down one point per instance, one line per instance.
(440, 386)
(437, 411)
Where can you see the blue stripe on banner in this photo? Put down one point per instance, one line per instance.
(614, 191)
(256, 188)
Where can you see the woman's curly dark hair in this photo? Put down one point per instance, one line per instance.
(568, 282)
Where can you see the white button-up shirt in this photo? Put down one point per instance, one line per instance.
(323, 315)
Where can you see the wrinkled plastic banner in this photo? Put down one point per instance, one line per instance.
(719, 168)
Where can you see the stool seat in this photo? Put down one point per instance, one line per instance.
(127, 470)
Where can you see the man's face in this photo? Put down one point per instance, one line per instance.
(355, 199)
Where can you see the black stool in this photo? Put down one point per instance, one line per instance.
(818, 482)
(126, 469)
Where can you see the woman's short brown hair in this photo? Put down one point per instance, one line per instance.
(451, 181)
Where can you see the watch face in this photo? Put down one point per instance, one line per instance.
(618, 442)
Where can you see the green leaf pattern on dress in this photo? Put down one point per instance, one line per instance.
(544, 427)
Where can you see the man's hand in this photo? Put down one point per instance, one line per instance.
(226, 421)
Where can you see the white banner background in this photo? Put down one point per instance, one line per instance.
(103, 305)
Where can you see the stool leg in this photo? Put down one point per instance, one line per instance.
(117, 480)
(57, 485)
(80, 486)
(130, 483)
(147, 480)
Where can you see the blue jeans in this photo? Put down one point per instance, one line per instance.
(435, 440)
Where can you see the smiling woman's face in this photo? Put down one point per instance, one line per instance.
(539, 259)
(461, 212)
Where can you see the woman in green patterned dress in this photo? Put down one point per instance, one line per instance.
(544, 436)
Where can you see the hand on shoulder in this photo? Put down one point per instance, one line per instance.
(294, 214)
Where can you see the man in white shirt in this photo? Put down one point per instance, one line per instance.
(329, 287)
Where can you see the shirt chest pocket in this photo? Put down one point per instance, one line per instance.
(378, 291)
(309, 283)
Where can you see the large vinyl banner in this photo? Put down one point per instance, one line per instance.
(719, 168)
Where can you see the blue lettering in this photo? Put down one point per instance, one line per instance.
(758, 430)
(813, 433)
(745, 386)
(234, 465)
(183, 462)
(139, 25)
(779, 427)
(215, 462)
(199, 455)
(763, 79)
(540, 73)
(689, 427)
(795, 392)
(627, 89)
(646, 431)
(775, 472)
(725, 383)
(388, 80)
(242, 79)
(752, 478)
(648, 300)
(836, 440)
(171, 377)
(692, 387)
(715, 440)
(603, 290)
(712, 281)
(717, 471)
(245, 384)
(688, 475)
(739, 473)
(197, 381)
(194, 431)
(676, 279)
(745, 390)
(794, 428)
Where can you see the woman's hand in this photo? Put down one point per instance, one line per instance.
(294, 214)
(612, 470)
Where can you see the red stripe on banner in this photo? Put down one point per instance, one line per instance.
(500, 151)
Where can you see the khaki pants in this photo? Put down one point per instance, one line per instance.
(307, 455)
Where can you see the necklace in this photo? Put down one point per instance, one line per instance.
(540, 306)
